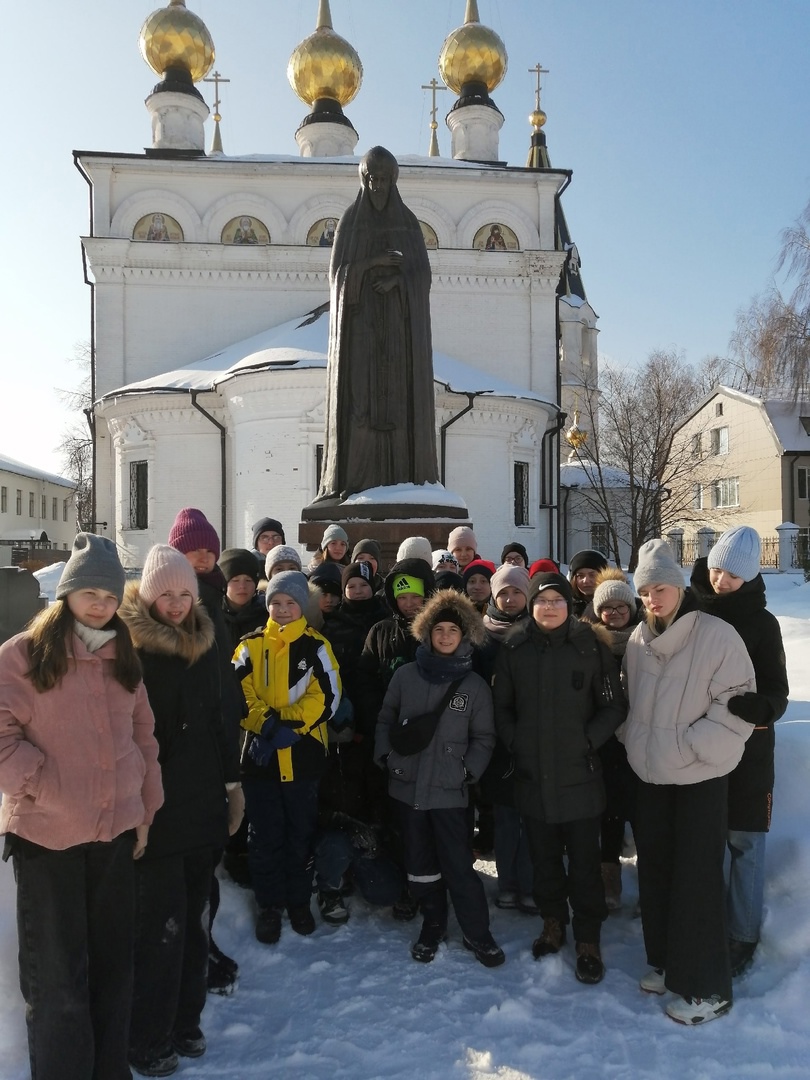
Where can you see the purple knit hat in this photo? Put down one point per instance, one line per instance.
(192, 531)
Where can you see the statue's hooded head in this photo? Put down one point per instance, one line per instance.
(379, 172)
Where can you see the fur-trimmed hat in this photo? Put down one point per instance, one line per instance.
(334, 532)
(657, 566)
(415, 547)
(236, 561)
(519, 548)
(280, 553)
(165, 568)
(515, 576)
(192, 531)
(449, 606)
(738, 552)
(463, 536)
(540, 582)
(291, 583)
(93, 564)
(267, 524)
(612, 587)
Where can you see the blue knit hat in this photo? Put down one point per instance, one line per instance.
(737, 552)
(290, 582)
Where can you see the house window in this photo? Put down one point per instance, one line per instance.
(138, 494)
(4, 500)
(726, 492)
(803, 481)
(31, 499)
(54, 508)
(718, 409)
(719, 440)
(65, 509)
(697, 496)
(43, 506)
(521, 473)
(697, 444)
(599, 536)
(19, 503)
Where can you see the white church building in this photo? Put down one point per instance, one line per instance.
(209, 278)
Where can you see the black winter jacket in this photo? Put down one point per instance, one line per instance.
(181, 673)
(750, 785)
(557, 699)
(244, 620)
(346, 630)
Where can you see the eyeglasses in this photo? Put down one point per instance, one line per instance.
(620, 609)
(514, 559)
(559, 602)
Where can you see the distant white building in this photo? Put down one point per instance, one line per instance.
(37, 511)
(209, 276)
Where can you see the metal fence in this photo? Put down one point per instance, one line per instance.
(687, 551)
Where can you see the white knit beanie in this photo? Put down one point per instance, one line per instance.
(415, 547)
(166, 568)
(738, 552)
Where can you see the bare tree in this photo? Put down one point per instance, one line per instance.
(771, 341)
(76, 446)
(637, 472)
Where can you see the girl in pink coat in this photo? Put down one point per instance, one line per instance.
(81, 783)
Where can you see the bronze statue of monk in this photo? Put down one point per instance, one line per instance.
(380, 412)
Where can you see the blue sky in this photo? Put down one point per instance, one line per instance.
(685, 125)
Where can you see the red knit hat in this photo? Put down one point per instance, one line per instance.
(193, 531)
(543, 566)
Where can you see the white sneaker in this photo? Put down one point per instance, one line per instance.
(689, 1010)
(653, 982)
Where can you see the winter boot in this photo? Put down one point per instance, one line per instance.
(268, 925)
(405, 909)
(612, 880)
(160, 1063)
(741, 956)
(189, 1044)
(551, 939)
(430, 937)
(486, 950)
(590, 968)
(301, 919)
(222, 970)
(689, 1010)
(332, 908)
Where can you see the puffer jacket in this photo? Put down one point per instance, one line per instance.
(678, 729)
(465, 736)
(78, 763)
(557, 700)
(293, 670)
(181, 672)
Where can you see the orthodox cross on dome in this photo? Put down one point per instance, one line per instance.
(538, 70)
(434, 85)
(216, 142)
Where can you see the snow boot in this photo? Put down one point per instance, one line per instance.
(161, 1063)
(590, 968)
(551, 939)
(268, 925)
(189, 1044)
(301, 919)
(332, 908)
(486, 950)
(430, 937)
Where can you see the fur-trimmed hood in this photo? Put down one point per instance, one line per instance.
(156, 637)
(472, 625)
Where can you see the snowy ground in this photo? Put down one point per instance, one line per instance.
(350, 1004)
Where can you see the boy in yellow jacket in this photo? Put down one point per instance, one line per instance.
(291, 684)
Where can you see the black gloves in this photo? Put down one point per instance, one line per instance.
(754, 708)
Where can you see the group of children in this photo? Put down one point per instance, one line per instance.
(139, 721)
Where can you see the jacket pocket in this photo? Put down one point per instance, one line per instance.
(451, 767)
(402, 768)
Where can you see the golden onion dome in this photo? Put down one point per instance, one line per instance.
(575, 436)
(325, 65)
(173, 37)
(472, 53)
(537, 119)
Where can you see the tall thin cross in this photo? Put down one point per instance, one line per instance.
(216, 142)
(433, 85)
(538, 70)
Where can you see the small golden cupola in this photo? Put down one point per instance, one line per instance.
(326, 74)
(473, 62)
(177, 45)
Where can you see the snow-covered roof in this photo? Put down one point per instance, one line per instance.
(782, 411)
(8, 464)
(573, 474)
(302, 343)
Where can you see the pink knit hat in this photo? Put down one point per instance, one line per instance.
(463, 536)
(165, 568)
(192, 530)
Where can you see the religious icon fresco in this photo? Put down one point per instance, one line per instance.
(495, 237)
(245, 230)
(158, 228)
(429, 234)
(322, 233)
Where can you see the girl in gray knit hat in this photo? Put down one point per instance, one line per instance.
(682, 668)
